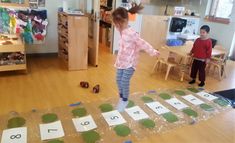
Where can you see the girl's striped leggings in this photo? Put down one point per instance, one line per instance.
(123, 81)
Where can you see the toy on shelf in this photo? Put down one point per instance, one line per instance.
(7, 43)
(4, 38)
(12, 58)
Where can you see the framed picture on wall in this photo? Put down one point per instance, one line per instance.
(33, 4)
(41, 3)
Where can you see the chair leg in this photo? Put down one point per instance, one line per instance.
(208, 69)
(214, 70)
(167, 72)
(219, 71)
(223, 71)
(160, 66)
(154, 67)
(182, 76)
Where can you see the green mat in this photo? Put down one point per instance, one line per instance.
(170, 117)
(55, 141)
(16, 122)
(147, 99)
(190, 112)
(165, 96)
(207, 107)
(180, 92)
(130, 104)
(122, 130)
(49, 118)
(147, 123)
(194, 90)
(79, 112)
(106, 107)
(222, 102)
(90, 137)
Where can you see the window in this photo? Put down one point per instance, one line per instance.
(220, 10)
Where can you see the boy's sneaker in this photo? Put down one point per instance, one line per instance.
(192, 81)
(122, 105)
(201, 84)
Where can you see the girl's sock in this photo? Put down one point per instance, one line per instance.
(122, 105)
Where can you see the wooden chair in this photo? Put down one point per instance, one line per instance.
(219, 62)
(186, 67)
(164, 59)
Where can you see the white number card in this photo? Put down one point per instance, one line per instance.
(113, 118)
(207, 96)
(136, 113)
(176, 103)
(51, 130)
(158, 108)
(192, 99)
(16, 135)
(84, 124)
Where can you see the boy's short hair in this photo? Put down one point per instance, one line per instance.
(206, 28)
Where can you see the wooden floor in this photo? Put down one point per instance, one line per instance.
(49, 85)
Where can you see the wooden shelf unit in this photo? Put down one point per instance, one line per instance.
(16, 46)
(73, 40)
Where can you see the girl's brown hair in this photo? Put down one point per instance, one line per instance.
(120, 14)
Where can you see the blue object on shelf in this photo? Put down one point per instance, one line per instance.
(174, 42)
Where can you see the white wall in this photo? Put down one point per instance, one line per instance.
(157, 7)
(51, 42)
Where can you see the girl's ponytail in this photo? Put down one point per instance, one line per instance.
(120, 14)
(135, 8)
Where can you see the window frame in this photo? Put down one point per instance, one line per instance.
(210, 14)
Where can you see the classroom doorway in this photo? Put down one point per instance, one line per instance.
(100, 27)
(105, 29)
(92, 10)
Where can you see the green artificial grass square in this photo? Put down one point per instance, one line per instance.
(106, 107)
(79, 112)
(147, 99)
(207, 107)
(180, 92)
(190, 112)
(192, 89)
(130, 104)
(222, 102)
(16, 122)
(170, 117)
(122, 130)
(165, 96)
(90, 136)
(49, 118)
(148, 123)
(55, 141)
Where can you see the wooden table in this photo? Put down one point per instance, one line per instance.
(16, 46)
(183, 51)
(184, 59)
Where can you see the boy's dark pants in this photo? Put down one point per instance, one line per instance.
(198, 66)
